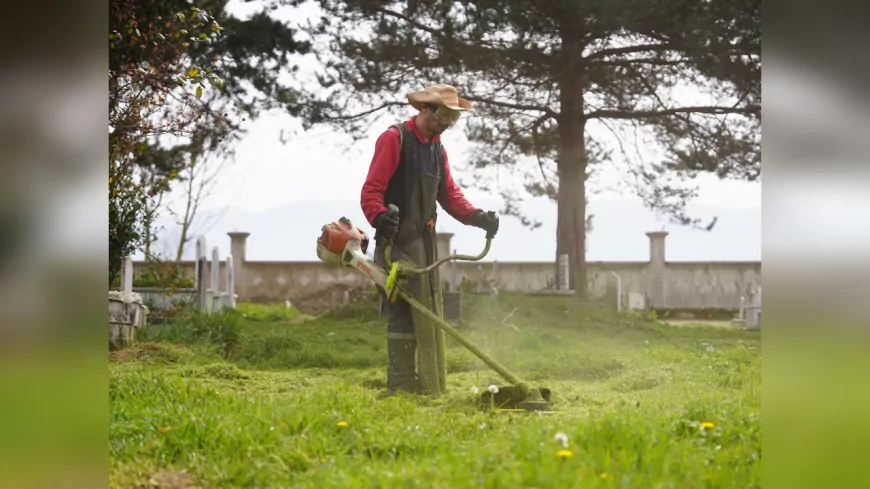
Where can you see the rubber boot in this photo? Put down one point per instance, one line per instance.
(401, 373)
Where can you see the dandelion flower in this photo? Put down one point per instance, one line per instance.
(474, 390)
(561, 438)
(603, 475)
(564, 454)
(493, 389)
(706, 425)
(342, 424)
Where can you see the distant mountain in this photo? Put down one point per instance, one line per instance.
(290, 232)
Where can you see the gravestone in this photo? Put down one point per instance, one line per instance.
(452, 306)
(127, 313)
(636, 301)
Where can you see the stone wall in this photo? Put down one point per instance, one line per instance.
(666, 285)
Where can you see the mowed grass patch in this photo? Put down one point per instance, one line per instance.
(300, 405)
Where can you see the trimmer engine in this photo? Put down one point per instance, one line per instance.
(345, 245)
(338, 237)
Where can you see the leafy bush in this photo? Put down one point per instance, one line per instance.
(163, 275)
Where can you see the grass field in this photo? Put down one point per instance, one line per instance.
(277, 399)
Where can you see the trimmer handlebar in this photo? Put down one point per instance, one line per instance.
(393, 210)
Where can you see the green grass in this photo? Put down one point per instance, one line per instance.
(269, 312)
(258, 403)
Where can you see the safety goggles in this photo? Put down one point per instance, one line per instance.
(446, 116)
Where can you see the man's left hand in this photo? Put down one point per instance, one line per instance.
(488, 221)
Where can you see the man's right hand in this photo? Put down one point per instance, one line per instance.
(387, 225)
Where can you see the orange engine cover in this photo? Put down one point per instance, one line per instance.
(335, 235)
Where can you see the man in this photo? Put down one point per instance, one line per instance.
(410, 169)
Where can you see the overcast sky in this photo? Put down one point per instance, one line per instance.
(315, 166)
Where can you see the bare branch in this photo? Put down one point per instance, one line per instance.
(651, 114)
(363, 113)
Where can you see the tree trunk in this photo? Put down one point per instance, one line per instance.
(148, 239)
(182, 241)
(571, 235)
(571, 226)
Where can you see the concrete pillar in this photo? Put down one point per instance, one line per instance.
(656, 270)
(444, 241)
(237, 251)
(657, 246)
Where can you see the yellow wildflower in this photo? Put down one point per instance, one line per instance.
(707, 425)
(563, 454)
(342, 424)
(603, 475)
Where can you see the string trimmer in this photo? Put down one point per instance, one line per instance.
(343, 244)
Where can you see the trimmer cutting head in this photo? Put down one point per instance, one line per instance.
(518, 397)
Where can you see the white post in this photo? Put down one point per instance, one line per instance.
(201, 289)
(214, 293)
(753, 319)
(564, 277)
(127, 275)
(231, 283)
(618, 291)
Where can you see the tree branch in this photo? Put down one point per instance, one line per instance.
(364, 113)
(537, 108)
(422, 27)
(640, 48)
(646, 61)
(651, 114)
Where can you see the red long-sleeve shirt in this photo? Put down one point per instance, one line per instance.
(384, 164)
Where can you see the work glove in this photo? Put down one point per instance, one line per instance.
(387, 225)
(488, 221)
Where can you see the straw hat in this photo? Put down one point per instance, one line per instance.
(444, 95)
